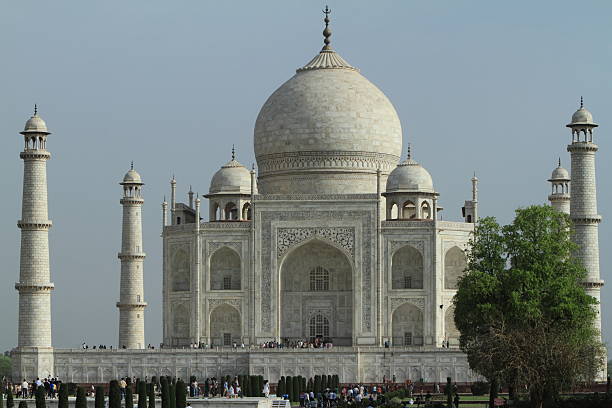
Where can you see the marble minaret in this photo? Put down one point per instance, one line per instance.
(583, 202)
(34, 277)
(559, 196)
(131, 293)
(34, 286)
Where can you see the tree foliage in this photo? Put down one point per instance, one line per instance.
(181, 394)
(81, 398)
(63, 396)
(523, 315)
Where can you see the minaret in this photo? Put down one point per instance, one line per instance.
(560, 195)
(172, 200)
(470, 208)
(34, 284)
(583, 202)
(131, 291)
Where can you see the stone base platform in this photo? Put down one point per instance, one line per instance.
(248, 402)
(351, 364)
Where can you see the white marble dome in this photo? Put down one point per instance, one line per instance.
(560, 174)
(232, 178)
(409, 176)
(326, 131)
(582, 117)
(35, 124)
(132, 177)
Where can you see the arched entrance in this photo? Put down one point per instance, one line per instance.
(316, 294)
(407, 325)
(225, 327)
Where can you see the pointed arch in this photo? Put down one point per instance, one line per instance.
(394, 212)
(225, 325)
(180, 321)
(409, 210)
(180, 276)
(407, 268)
(425, 210)
(450, 329)
(407, 326)
(455, 264)
(225, 270)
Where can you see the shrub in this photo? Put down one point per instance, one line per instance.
(40, 397)
(142, 394)
(181, 394)
(152, 395)
(129, 397)
(280, 387)
(62, 396)
(81, 399)
(114, 395)
(172, 395)
(165, 393)
(9, 399)
(479, 388)
(99, 401)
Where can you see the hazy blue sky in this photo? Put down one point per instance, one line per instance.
(479, 85)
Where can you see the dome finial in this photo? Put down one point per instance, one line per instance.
(35, 109)
(559, 162)
(409, 155)
(132, 165)
(581, 103)
(327, 32)
(233, 152)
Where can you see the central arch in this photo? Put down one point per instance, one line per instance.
(407, 326)
(316, 292)
(225, 327)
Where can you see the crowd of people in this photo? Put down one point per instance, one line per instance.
(25, 389)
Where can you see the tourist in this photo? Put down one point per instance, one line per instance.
(24, 389)
(266, 389)
(456, 401)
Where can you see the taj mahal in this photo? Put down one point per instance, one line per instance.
(334, 236)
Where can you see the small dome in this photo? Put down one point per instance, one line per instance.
(582, 117)
(409, 176)
(232, 178)
(132, 177)
(559, 174)
(35, 125)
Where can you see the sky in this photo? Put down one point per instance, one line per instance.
(479, 86)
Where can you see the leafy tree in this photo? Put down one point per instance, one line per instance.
(40, 397)
(165, 393)
(62, 396)
(310, 385)
(323, 382)
(114, 395)
(81, 398)
(172, 395)
(142, 394)
(151, 395)
(129, 397)
(9, 398)
(181, 394)
(448, 390)
(317, 385)
(99, 401)
(23, 404)
(280, 387)
(295, 389)
(523, 316)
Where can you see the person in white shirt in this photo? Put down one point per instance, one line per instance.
(266, 389)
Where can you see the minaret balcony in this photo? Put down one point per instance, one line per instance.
(585, 219)
(131, 305)
(34, 287)
(131, 255)
(35, 154)
(34, 225)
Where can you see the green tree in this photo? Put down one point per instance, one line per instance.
(172, 395)
(23, 404)
(114, 395)
(181, 394)
(62, 396)
(295, 388)
(448, 390)
(129, 397)
(317, 385)
(151, 395)
(523, 316)
(142, 394)
(99, 400)
(280, 388)
(165, 393)
(9, 398)
(81, 398)
(40, 397)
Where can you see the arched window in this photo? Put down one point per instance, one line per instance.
(455, 264)
(180, 271)
(425, 211)
(319, 327)
(319, 279)
(231, 212)
(469, 218)
(407, 269)
(394, 212)
(246, 211)
(225, 270)
(409, 210)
